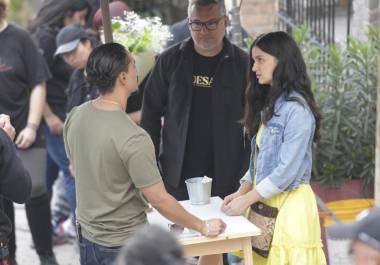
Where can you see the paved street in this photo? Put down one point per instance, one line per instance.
(66, 254)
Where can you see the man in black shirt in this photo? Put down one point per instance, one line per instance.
(197, 86)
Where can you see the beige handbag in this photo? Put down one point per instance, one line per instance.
(264, 217)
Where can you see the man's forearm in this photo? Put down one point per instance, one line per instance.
(37, 103)
(172, 210)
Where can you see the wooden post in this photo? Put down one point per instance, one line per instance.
(107, 28)
(377, 152)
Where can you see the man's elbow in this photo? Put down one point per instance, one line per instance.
(158, 200)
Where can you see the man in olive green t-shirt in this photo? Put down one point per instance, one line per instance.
(113, 160)
(114, 163)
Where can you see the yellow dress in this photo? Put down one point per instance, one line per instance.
(297, 235)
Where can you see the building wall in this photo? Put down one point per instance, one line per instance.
(257, 16)
(365, 13)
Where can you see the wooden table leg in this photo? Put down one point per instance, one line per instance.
(220, 259)
(247, 248)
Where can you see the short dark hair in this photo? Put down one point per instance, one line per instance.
(207, 3)
(105, 64)
(161, 246)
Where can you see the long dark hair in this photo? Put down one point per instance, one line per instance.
(289, 75)
(53, 12)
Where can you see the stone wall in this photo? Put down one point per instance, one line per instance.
(374, 12)
(257, 16)
(365, 13)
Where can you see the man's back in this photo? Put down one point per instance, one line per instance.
(107, 149)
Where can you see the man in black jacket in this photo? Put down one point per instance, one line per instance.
(15, 182)
(197, 86)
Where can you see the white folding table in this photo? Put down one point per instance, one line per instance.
(237, 235)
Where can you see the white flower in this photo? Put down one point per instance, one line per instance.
(140, 34)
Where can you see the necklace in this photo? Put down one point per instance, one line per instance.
(111, 102)
(3, 26)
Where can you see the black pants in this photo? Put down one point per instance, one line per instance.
(39, 216)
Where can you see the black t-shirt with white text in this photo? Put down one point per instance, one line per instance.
(22, 67)
(199, 154)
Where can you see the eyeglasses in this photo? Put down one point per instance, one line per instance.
(209, 25)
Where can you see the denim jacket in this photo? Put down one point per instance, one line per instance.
(285, 157)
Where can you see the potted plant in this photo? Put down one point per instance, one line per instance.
(144, 38)
(344, 82)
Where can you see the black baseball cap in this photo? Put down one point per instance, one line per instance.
(365, 229)
(69, 37)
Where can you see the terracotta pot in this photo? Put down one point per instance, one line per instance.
(351, 189)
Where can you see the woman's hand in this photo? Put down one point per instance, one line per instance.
(237, 206)
(213, 227)
(26, 138)
(55, 124)
(245, 187)
(230, 198)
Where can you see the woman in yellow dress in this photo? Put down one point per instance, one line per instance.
(283, 119)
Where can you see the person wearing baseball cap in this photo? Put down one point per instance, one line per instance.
(75, 44)
(69, 37)
(365, 236)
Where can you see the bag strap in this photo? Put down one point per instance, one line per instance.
(254, 173)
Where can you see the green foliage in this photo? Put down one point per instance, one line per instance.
(344, 82)
(248, 41)
(140, 34)
(169, 10)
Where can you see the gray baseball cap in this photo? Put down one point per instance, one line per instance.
(68, 38)
(366, 229)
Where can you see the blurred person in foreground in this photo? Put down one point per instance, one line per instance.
(114, 163)
(15, 182)
(365, 236)
(162, 246)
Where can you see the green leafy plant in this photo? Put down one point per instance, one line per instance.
(344, 82)
(140, 34)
